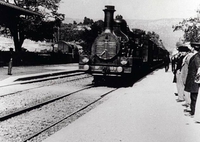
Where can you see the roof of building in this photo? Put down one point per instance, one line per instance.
(7, 7)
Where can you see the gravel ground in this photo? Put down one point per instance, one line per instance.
(18, 87)
(34, 96)
(18, 128)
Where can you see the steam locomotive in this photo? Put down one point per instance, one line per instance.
(119, 52)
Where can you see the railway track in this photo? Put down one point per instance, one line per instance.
(42, 77)
(66, 117)
(81, 99)
(29, 108)
(32, 83)
(26, 107)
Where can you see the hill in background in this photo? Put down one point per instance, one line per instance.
(71, 20)
(163, 27)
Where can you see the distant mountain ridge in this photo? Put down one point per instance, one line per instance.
(71, 20)
(163, 27)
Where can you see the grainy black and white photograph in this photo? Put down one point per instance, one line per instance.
(99, 71)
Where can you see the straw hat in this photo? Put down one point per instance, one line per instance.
(182, 47)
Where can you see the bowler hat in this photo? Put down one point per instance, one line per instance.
(183, 48)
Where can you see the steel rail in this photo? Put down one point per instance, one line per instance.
(40, 86)
(70, 115)
(23, 110)
(30, 79)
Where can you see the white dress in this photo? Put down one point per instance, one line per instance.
(197, 109)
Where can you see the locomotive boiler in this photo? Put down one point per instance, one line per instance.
(119, 52)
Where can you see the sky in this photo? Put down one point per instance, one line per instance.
(130, 9)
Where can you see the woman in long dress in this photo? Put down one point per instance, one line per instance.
(197, 107)
(197, 80)
(197, 110)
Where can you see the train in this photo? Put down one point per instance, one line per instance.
(119, 52)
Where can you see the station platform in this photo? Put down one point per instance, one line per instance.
(22, 72)
(145, 112)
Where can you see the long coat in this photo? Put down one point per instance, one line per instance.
(194, 64)
(185, 64)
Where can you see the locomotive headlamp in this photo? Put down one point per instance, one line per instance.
(86, 67)
(119, 69)
(124, 61)
(85, 59)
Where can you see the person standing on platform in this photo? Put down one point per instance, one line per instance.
(184, 72)
(174, 61)
(166, 61)
(10, 62)
(197, 107)
(191, 86)
(179, 82)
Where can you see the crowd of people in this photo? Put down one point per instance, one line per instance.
(186, 70)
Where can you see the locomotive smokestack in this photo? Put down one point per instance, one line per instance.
(108, 19)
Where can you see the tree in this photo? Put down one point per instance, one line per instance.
(31, 26)
(87, 21)
(86, 33)
(190, 27)
(68, 32)
(88, 36)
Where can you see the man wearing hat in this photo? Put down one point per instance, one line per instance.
(191, 86)
(183, 50)
(184, 72)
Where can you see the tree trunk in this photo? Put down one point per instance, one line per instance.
(18, 38)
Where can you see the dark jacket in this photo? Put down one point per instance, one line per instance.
(178, 60)
(193, 66)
